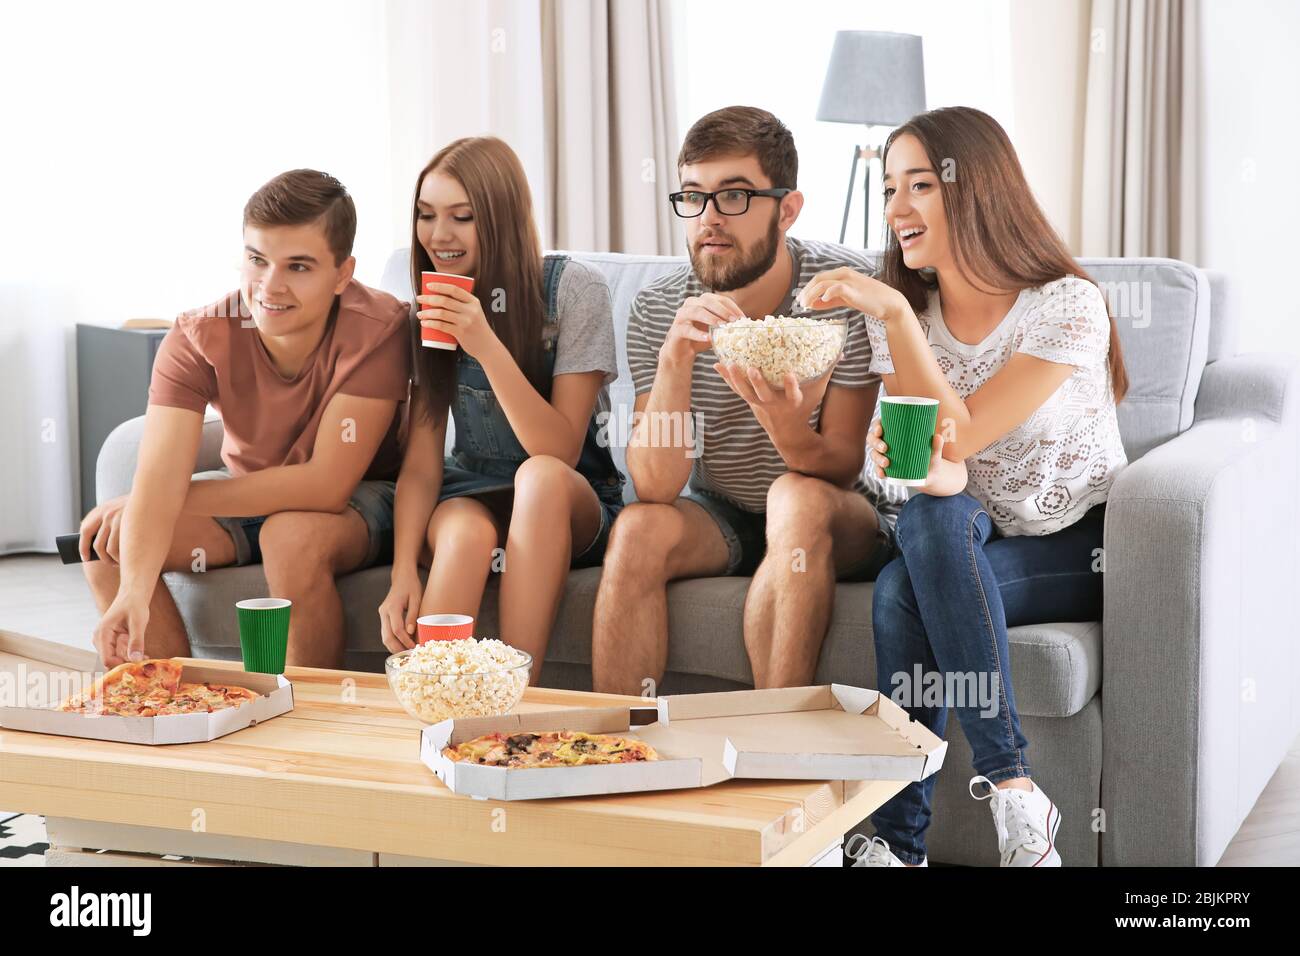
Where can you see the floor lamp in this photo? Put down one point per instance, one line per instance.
(876, 80)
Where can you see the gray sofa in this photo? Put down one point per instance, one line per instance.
(1196, 658)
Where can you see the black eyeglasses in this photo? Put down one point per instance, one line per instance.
(729, 202)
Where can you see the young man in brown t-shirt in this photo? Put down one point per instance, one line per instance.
(307, 368)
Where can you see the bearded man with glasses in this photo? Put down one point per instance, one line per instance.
(778, 488)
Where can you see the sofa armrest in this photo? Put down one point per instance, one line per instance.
(115, 466)
(1202, 551)
(1256, 386)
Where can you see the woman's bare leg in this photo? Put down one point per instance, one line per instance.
(555, 512)
(462, 536)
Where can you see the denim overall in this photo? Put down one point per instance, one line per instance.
(486, 453)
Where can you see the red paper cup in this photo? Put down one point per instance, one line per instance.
(444, 627)
(436, 338)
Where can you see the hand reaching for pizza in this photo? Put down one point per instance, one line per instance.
(119, 636)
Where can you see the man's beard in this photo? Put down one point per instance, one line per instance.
(745, 267)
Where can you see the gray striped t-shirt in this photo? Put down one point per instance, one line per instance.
(737, 459)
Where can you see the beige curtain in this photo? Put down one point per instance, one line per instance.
(610, 126)
(1140, 135)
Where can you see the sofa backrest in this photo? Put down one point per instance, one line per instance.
(1162, 308)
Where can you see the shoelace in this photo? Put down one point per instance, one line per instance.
(1007, 803)
(879, 852)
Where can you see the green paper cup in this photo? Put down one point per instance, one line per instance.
(264, 633)
(908, 429)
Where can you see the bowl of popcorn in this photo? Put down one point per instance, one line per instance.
(438, 680)
(777, 344)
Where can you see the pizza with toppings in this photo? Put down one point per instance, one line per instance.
(554, 748)
(205, 698)
(152, 688)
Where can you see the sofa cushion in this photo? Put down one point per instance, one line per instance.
(1162, 310)
(1056, 667)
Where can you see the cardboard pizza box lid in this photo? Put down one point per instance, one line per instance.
(275, 690)
(825, 732)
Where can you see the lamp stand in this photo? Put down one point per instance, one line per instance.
(867, 154)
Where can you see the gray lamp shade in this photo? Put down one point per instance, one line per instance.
(874, 79)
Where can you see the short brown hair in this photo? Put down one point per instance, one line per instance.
(303, 196)
(744, 130)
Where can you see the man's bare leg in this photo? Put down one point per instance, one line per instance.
(650, 545)
(165, 635)
(554, 510)
(814, 529)
(302, 553)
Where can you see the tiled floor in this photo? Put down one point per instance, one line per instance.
(22, 839)
(41, 597)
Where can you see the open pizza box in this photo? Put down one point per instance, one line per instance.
(828, 732)
(30, 687)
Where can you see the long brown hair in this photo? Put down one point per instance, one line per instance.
(509, 279)
(1000, 236)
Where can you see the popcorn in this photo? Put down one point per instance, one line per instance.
(778, 344)
(438, 680)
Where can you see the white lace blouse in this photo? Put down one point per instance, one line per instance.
(1046, 473)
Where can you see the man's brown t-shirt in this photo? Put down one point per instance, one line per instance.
(210, 357)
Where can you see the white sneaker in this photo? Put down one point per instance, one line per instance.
(877, 853)
(1026, 820)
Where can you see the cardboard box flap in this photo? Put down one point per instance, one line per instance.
(855, 700)
(745, 703)
(812, 731)
(674, 744)
(259, 683)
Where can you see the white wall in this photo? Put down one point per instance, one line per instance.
(132, 138)
(1250, 192)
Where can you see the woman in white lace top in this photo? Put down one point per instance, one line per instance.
(980, 305)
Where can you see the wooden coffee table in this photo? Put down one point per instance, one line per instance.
(339, 781)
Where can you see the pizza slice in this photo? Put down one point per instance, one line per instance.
(205, 698)
(129, 689)
(555, 748)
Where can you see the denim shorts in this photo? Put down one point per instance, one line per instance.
(746, 535)
(373, 500)
(461, 483)
(594, 554)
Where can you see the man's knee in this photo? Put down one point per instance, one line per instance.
(799, 507)
(293, 547)
(641, 539)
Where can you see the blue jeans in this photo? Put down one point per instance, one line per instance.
(945, 604)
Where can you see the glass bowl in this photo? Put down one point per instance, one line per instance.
(808, 347)
(431, 696)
